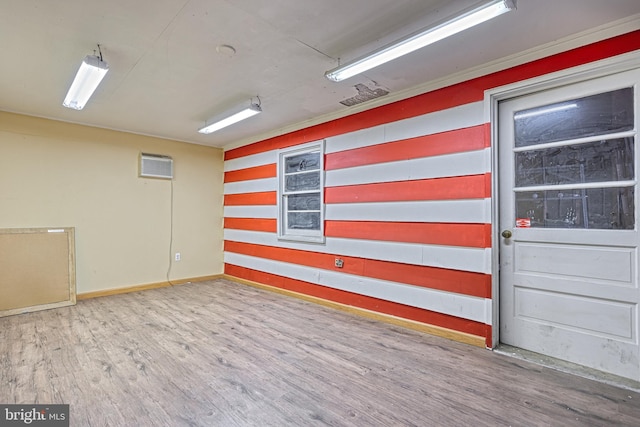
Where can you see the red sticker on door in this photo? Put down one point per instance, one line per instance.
(523, 222)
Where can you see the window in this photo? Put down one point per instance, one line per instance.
(301, 193)
(575, 163)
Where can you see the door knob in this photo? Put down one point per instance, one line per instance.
(506, 234)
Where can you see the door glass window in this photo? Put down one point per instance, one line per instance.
(598, 161)
(601, 114)
(598, 208)
(568, 174)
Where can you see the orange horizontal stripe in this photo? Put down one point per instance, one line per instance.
(487, 184)
(447, 97)
(257, 172)
(461, 282)
(262, 198)
(252, 224)
(487, 135)
(449, 234)
(455, 141)
(361, 301)
(460, 187)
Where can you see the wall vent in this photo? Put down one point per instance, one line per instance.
(156, 166)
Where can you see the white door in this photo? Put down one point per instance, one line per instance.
(568, 166)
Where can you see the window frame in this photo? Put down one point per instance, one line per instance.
(284, 232)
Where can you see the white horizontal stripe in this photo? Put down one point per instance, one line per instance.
(457, 258)
(488, 159)
(252, 160)
(462, 306)
(458, 164)
(440, 121)
(361, 138)
(251, 186)
(451, 257)
(250, 212)
(463, 211)
(488, 311)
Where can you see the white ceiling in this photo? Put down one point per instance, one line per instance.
(166, 76)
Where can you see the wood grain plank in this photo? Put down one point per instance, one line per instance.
(221, 353)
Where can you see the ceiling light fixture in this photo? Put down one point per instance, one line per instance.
(90, 74)
(230, 117)
(467, 19)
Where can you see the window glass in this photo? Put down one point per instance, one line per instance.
(302, 162)
(599, 161)
(598, 208)
(599, 114)
(302, 181)
(303, 220)
(303, 202)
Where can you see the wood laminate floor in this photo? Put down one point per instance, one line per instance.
(224, 354)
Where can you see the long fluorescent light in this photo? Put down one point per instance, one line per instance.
(230, 117)
(91, 72)
(427, 36)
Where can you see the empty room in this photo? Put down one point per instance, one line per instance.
(345, 213)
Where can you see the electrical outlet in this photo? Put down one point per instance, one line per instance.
(178, 256)
(339, 263)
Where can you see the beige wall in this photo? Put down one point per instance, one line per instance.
(55, 174)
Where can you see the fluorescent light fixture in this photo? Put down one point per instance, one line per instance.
(425, 37)
(230, 117)
(547, 110)
(91, 72)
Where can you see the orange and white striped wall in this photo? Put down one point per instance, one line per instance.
(408, 204)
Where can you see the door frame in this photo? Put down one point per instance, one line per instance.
(492, 98)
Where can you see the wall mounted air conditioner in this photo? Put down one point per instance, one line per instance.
(156, 166)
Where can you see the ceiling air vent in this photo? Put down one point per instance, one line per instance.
(364, 94)
(156, 166)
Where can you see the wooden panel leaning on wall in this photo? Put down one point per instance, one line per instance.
(37, 269)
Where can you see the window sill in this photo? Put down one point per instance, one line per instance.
(303, 239)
